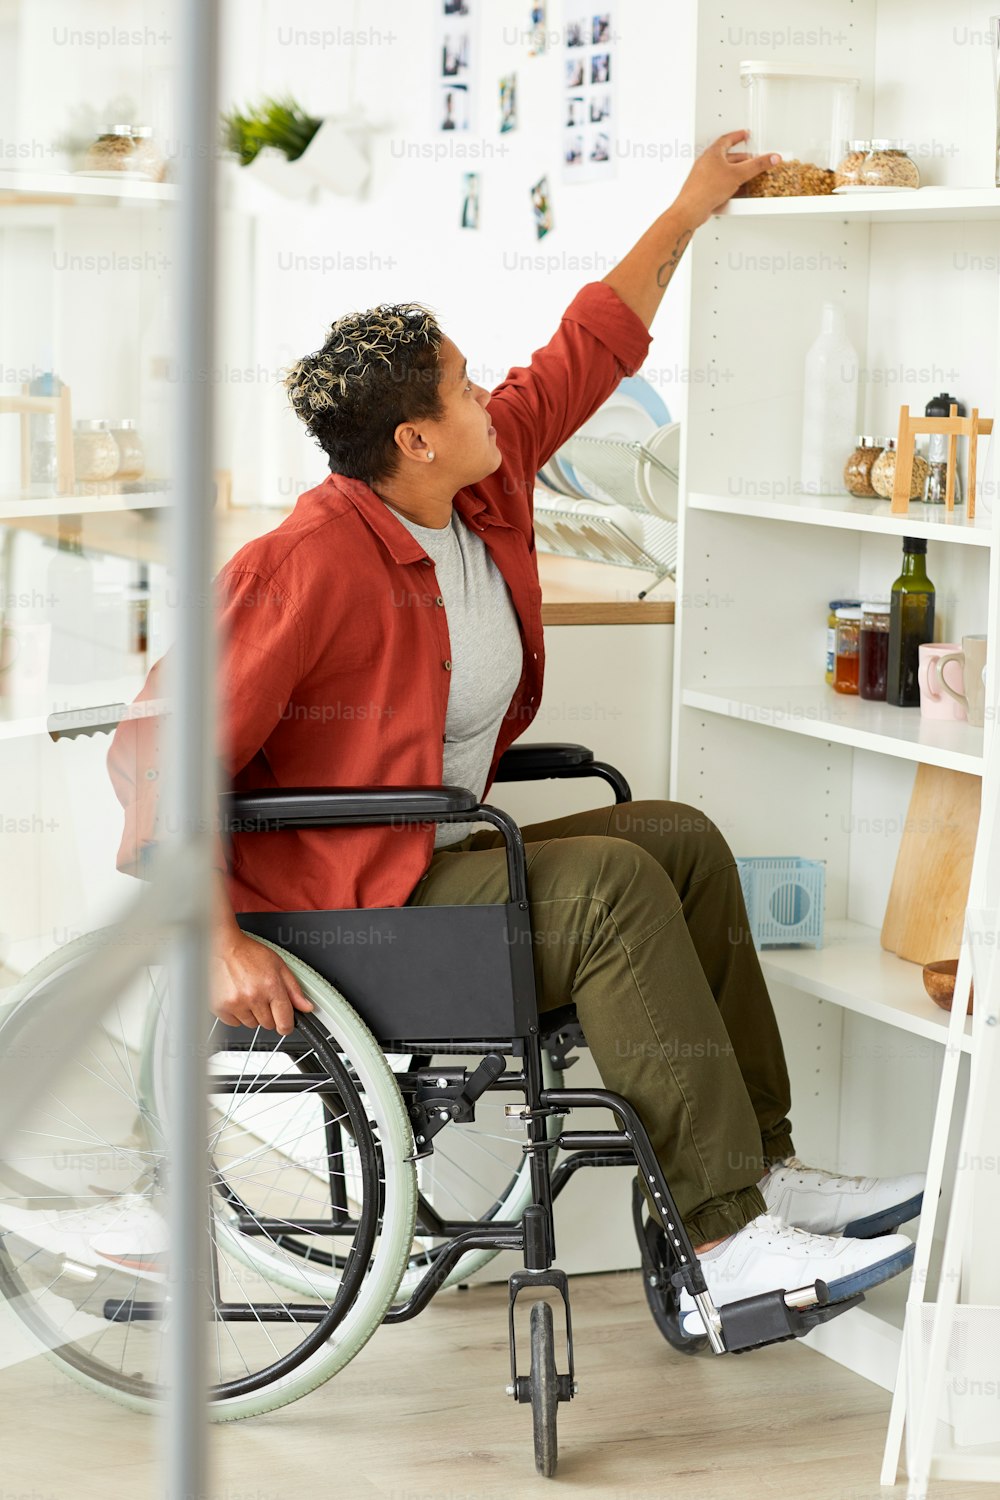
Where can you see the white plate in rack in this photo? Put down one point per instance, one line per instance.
(660, 490)
(620, 417)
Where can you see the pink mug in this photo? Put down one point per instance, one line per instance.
(935, 704)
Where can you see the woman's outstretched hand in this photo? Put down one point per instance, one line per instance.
(716, 175)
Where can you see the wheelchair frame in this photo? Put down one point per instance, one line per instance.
(439, 937)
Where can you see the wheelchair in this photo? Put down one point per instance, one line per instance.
(385, 1150)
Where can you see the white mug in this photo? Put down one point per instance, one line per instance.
(973, 659)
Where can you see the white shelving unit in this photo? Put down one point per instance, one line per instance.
(780, 762)
(86, 289)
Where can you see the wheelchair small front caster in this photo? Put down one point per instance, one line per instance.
(544, 1385)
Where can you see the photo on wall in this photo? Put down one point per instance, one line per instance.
(455, 62)
(541, 204)
(508, 103)
(454, 107)
(537, 32)
(470, 201)
(589, 81)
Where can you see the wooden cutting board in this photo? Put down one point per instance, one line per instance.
(930, 887)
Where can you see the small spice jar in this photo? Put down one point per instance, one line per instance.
(888, 166)
(845, 666)
(873, 650)
(131, 458)
(858, 468)
(883, 474)
(831, 632)
(848, 171)
(95, 452)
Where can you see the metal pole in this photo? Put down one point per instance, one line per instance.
(190, 772)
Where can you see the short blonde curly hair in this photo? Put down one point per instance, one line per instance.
(376, 369)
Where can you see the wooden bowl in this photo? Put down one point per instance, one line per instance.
(939, 982)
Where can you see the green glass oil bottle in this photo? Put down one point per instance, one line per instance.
(911, 624)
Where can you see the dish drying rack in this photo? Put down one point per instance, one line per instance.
(610, 471)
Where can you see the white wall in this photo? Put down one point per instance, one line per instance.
(498, 291)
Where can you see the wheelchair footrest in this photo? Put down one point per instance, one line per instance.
(767, 1319)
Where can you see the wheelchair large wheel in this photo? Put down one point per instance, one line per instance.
(317, 1141)
(477, 1171)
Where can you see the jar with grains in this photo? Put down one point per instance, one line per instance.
(803, 113)
(95, 452)
(848, 171)
(131, 458)
(112, 151)
(858, 469)
(888, 166)
(884, 473)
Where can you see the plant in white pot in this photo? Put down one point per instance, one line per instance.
(294, 152)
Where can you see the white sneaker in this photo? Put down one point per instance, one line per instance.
(124, 1233)
(829, 1203)
(768, 1254)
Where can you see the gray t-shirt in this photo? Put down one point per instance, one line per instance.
(486, 656)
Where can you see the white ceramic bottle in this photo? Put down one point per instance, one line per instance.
(829, 405)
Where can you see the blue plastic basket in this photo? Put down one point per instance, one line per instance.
(784, 898)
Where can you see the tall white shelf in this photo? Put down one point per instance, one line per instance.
(779, 761)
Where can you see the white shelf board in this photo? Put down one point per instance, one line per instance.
(817, 711)
(928, 205)
(14, 508)
(846, 512)
(854, 971)
(35, 186)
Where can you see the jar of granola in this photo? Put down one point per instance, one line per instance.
(888, 167)
(858, 469)
(848, 170)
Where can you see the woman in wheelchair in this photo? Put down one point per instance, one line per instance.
(388, 634)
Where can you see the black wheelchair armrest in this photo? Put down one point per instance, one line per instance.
(535, 762)
(273, 808)
(543, 762)
(342, 806)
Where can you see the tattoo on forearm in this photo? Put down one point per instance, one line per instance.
(669, 266)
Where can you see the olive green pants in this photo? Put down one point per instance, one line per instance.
(638, 918)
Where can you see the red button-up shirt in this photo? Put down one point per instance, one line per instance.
(334, 663)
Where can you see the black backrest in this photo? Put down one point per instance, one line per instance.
(449, 974)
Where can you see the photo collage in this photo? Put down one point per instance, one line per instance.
(455, 111)
(589, 78)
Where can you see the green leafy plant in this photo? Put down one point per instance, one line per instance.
(280, 123)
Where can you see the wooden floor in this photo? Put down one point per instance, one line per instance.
(421, 1415)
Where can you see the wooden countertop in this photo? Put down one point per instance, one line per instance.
(574, 592)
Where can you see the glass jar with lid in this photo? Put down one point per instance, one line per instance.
(845, 666)
(887, 166)
(858, 468)
(125, 148)
(95, 452)
(848, 170)
(831, 633)
(873, 649)
(131, 458)
(883, 474)
(112, 151)
(805, 113)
